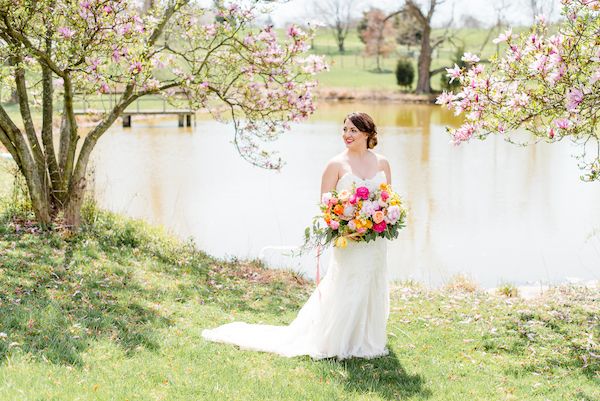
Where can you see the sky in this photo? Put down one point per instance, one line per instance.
(517, 13)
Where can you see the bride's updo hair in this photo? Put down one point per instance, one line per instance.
(364, 123)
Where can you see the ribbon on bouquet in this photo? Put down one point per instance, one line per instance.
(318, 278)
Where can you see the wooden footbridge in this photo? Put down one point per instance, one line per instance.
(146, 105)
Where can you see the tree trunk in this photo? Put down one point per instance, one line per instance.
(72, 210)
(424, 64)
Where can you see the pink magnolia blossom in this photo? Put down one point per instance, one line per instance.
(464, 133)
(104, 88)
(135, 67)
(454, 73)
(540, 64)
(470, 58)
(445, 98)
(574, 98)
(66, 32)
(293, 31)
(503, 37)
(563, 123)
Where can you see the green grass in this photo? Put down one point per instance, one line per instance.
(356, 71)
(115, 312)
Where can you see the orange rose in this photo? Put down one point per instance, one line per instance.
(338, 209)
(378, 216)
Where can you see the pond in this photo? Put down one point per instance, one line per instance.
(491, 210)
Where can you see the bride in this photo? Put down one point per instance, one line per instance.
(346, 315)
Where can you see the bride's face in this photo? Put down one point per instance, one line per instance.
(353, 138)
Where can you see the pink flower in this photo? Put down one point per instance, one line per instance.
(556, 75)
(384, 195)
(520, 99)
(334, 224)
(293, 31)
(362, 192)
(503, 37)
(380, 227)
(116, 54)
(574, 98)
(445, 98)
(563, 123)
(66, 32)
(470, 58)
(540, 63)
(85, 4)
(551, 133)
(454, 72)
(314, 64)
(211, 29)
(107, 9)
(104, 88)
(463, 133)
(135, 67)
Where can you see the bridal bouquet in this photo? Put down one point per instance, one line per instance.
(356, 215)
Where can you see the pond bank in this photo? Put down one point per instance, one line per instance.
(357, 94)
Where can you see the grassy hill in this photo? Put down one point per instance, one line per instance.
(116, 312)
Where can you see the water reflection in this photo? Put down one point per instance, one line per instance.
(492, 210)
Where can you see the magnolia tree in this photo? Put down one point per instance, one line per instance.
(52, 50)
(547, 83)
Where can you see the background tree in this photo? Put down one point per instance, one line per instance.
(50, 50)
(543, 8)
(337, 17)
(548, 84)
(470, 22)
(379, 35)
(409, 31)
(428, 44)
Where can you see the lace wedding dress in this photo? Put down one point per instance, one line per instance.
(348, 319)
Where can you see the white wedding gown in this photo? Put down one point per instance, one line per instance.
(349, 318)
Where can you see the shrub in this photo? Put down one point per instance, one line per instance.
(405, 72)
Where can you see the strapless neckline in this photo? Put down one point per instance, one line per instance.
(368, 182)
(362, 179)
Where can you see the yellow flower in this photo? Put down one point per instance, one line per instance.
(369, 224)
(341, 242)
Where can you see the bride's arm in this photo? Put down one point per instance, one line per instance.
(329, 178)
(388, 171)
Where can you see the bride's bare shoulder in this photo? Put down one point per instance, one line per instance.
(384, 164)
(381, 159)
(334, 165)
